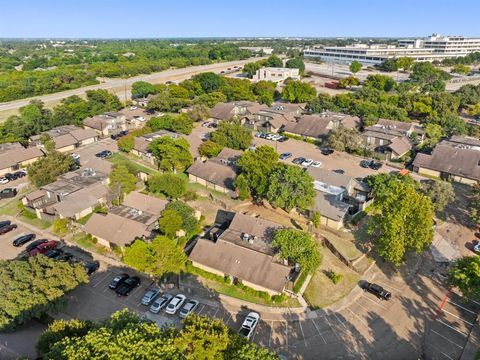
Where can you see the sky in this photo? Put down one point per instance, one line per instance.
(240, 18)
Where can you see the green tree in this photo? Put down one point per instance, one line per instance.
(209, 81)
(30, 288)
(48, 168)
(256, 168)
(316, 217)
(241, 185)
(126, 143)
(170, 222)
(142, 89)
(265, 91)
(474, 204)
(298, 247)
(171, 185)
(461, 69)
(298, 92)
(274, 61)
(388, 65)
(404, 63)
(189, 223)
(465, 274)
(296, 63)
(343, 139)
(434, 134)
(171, 154)
(199, 112)
(181, 123)
(232, 135)
(210, 99)
(157, 258)
(355, 66)
(121, 182)
(440, 193)
(210, 149)
(290, 187)
(347, 82)
(380, 82)
(251, 68)
(60, 227)
(100, 101)
(403, 220)
(474, 110)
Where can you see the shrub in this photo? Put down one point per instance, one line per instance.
(60, 227)
(278, 299)
(335, 277)
(190, 195)
(170, 185)
(210, 149)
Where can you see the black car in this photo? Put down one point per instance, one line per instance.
(283, 139)
(326, 151)
(34, 244)
(366, 163)
(104, 154)
(91, 266)
(376, 165)
(8, 193)
(11, 176)
(20, 174)
(64, 257)
(23, 239)
(128, 285)
(339, 171)
(53, 254)
(118, 280)
(5, 223)
(377, 290)
(298, 160)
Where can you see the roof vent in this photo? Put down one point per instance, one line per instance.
(246, 237)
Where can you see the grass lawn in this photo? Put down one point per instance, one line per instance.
(31, 218)
(11, 208)
(123, 159)
(235, 292)
(321, 291)
(84, 219)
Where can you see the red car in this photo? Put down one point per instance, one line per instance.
(43, 248)
(7, 229)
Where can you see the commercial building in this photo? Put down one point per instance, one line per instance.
(434, 47)
(276, 74)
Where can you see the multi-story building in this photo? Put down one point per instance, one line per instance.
(276, 74)
(434, 47)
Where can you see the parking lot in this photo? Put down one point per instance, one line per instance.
(8, 250)
(87, 153)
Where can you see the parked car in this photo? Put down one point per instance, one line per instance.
(23, 239)
(366, 163)
(276, 137)
(128, 285)
(64, 256)
(149, 296)
(316, 164)
(326, 151)
(10, 176)
(33, 245)
(307, 162)
(175, 304)
(376, 165)
(133, 108)
(104, 154)
(43, 248)
(285, 155)
(377, 290)
(339, 171)
(53, 254)
(3, 180)
(206, 123)
(117, 281)
(91, 266)
(476, 248)
(5, 223)
(20, 173)
(8, 228)
(283, 139)
(298, 160)
(139, 118)
(160, 303)
(188, 308)
(258, 134)
(249, 325)
(8, 193)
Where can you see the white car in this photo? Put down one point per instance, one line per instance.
(160, 303)
(149, 296)
(316, 164)
(133, 108)
(276, 137)
(139, 118)
(307, 162)
(175, 304)
(3, 180)
(188, 308)
(249, 325)
(206, 123)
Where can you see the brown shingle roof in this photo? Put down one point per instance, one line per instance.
(313, 126)
(81, 200)
(64, 140)
(400, 145)
(145, 203)
(327, 205)
(16, 156)
(214, 172)
(242, 263)
(223, 111)
(83, 134)
(395, 124)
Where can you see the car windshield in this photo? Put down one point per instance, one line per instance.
(244, 331)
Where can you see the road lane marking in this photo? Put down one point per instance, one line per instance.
(453, 342)
(461, 307)
(319, 333)
(458, 317)
(452, 327)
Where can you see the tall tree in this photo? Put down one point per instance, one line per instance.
(343, 139)
(298, 92)
(274, 61)
(250, 69)
(296, 63)
(171, 154)
(232, 135)
(48, 168)
(465, 274)
(121, 182)
(440, 193)
(141, 89)
(355, 66)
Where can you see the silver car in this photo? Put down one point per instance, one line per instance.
(188, 308)
(160, 303)
(149, 296)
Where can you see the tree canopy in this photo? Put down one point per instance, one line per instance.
(171, 154)
(122, 182)
(142, 89)
(296, 63)
(465, 274)
(28, 289)
(298, 92)
(355, 66)
(49, 168)
(181, 123)
(172, 186)
(232, 135)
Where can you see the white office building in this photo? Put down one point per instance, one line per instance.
(434, 47)
(276, 74)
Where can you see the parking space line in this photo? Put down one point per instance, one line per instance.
(100, 281)
(203, 307)
(319, 333)
(286, 334)
(228, 319)
(303, 334)
(452, 327)
(216, 311)
(458, 317)
(453, 342)
(331, 327)
(377, 303)
(339, 320)
(461, 307)
(359, 318)
(441, 352)
(389, 286)
(270, 337)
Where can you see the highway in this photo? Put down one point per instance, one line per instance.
(121, 87)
